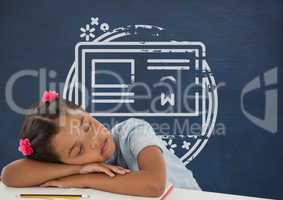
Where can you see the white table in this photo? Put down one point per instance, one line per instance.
(8, 193)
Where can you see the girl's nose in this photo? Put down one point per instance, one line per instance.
(92, 145)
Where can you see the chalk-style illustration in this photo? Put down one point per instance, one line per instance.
(104, 27)
(94, 21)
(169, 78)
(107, 86)
(87, 32)
(170, 145)
(186, 145)
(167, 99)
(169, 96)
(109, 72)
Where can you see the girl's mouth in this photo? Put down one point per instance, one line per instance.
(104, 146)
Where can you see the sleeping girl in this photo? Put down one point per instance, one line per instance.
(66, 147)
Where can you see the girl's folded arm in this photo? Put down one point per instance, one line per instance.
(149, 181)
(26, 172)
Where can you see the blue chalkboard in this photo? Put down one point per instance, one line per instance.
(237, 44)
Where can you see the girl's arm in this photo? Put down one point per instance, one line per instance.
(26, 172)
(149, 181)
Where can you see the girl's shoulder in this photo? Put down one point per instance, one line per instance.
(128, 125)
(124, 130)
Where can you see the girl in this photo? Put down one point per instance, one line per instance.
(66, 147)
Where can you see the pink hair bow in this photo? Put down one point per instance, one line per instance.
(49, 96)
(25, 147)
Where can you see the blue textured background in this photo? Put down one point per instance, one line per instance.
(243, 38)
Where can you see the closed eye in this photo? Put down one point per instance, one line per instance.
(75, 151)
(86, 126)
(80, 151)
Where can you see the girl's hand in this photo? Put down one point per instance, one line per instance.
(77, 182)
(109, 170)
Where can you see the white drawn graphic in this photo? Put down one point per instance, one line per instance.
(167, 99)
(94, 21)
(87, 32)
(186, 145)
(104, 27)
(170, 145)
(166, 67)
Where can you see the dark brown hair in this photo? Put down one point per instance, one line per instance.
(41, 124)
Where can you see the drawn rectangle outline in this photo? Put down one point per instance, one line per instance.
(93, 61)
(141, 50)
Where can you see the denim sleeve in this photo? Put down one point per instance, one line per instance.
(141, 135)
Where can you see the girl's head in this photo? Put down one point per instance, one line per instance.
(60, 131)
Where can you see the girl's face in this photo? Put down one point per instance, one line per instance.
(82, 139)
